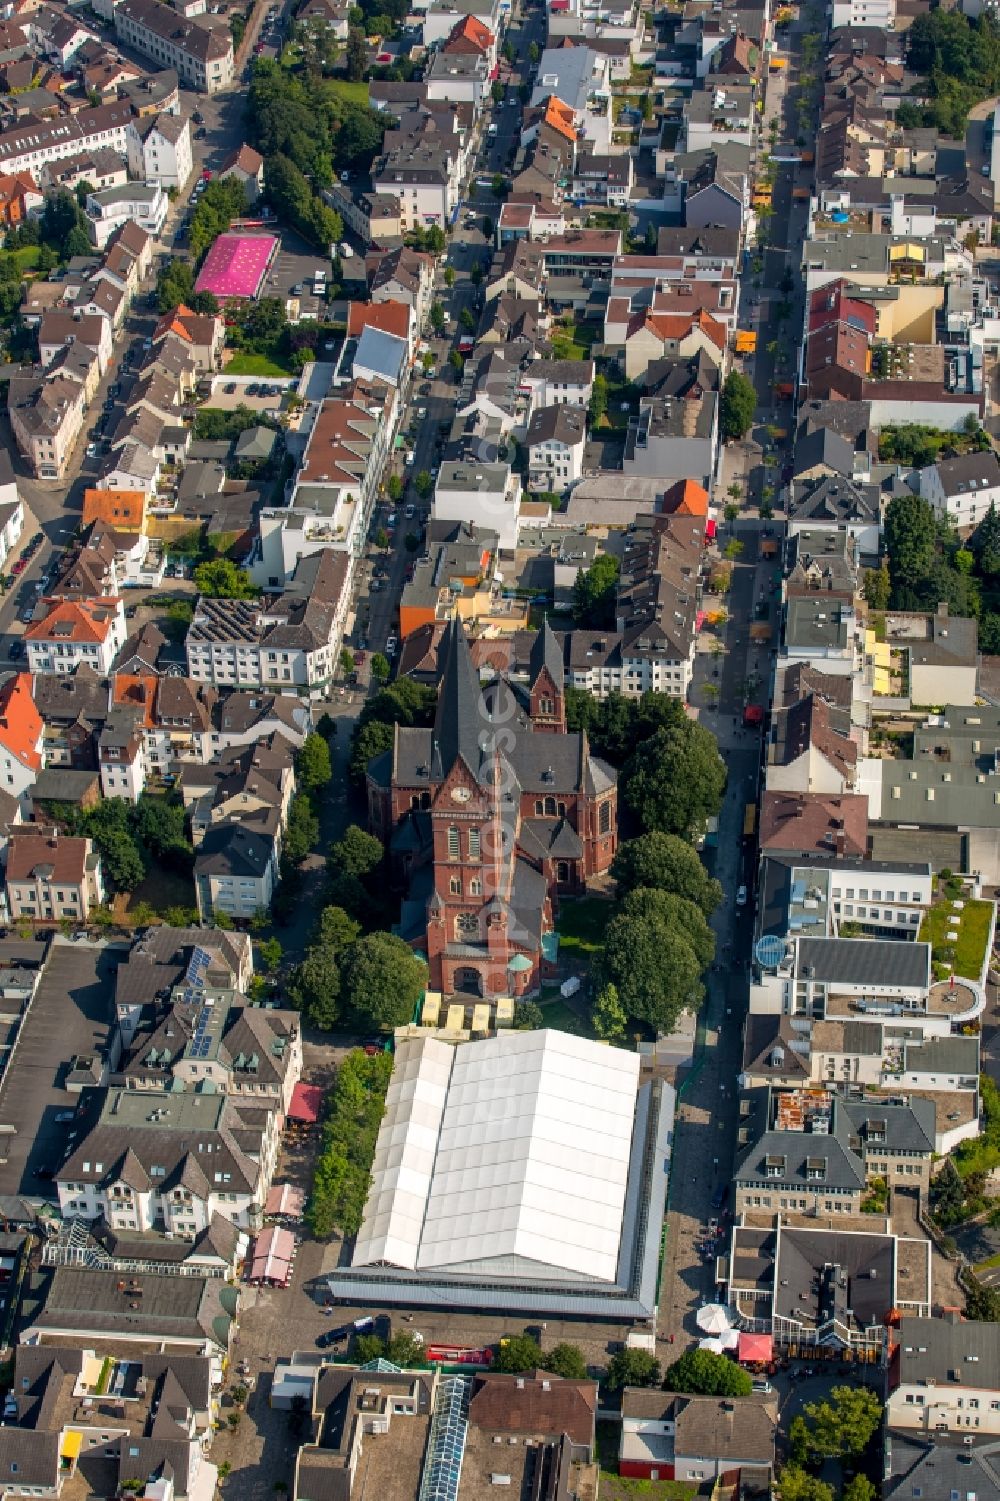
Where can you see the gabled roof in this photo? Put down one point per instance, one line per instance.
(534, 1403)
(75, 620)
(560, 117)
(20, 722)
(469, 34)
(685, 498)
(389, 316)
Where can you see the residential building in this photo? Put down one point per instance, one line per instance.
(236, 868)
(289, 642)
(963, 489)
(73, 633)
(201, 335)
(61, 1396)
(247, 166)
(580, 79)
(146, 1165)
(698, 1440)
(555, 442)
(159, 149)
(60, 330)
(943, 1377)
(487, 494)
(27, 148)
(457, 577)
(51, 877)
(46, 415)
(19, 197)
(200, 53)
(107, 210)
(21, 735)
(154, 1309)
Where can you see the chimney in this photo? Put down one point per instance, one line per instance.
(840, 842)
(942, 609)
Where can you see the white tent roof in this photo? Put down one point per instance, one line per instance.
(504, 1152)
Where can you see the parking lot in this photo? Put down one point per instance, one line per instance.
(294, 266)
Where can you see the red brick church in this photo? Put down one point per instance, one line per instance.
(488, 816)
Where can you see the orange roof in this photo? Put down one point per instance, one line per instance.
(470, 29)
(75, 620)
(16, 184)
(560, 117)
(20, 722)
(679, 325)
(391, 317)
(123, 509)
(136, 692)
(173, 323)
(686, 498)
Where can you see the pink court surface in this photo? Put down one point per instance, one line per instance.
(235, 265)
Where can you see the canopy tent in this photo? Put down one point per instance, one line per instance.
(272, 1257)
(753, 1347)
(306, 1104)
(730, 1339)
(710, 1342)
(713, 1319)
(282, 1198)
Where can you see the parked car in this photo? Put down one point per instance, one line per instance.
(16, 651)
(391, 646)
(741, 896)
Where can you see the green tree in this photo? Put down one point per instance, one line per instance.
(313, 769)
(599, 401)
(423, 484)
(316, 986)
(302, 830)
(449, 276)
(739, 402)
(534, 54)
(174, 285)
(221, 579)
(497, 91)
(380, 668)
(518, 1353)
(981, 1302)
(608, 1015)
(121, 859)
(858, 1488)
(843, 1427)
(346, 663)
(394, 488)
(910, 537)
(796, 1484)
(499, 185)
(356, 55)
(653, 968)
(987, 543)
(877, 587)
(566, 1361)
(528, 1016)
(205, 303)
(337, 929)
(632, 1368)
(436, 316)
(382, 538)
(595, 591)
(406, 1350)
(700, 1373)
(384, 980)
(367, 1347)
(645, 904)
(357, 852)
(466, 320)
(476, 271)
(270, 952)
(665, 862)
(675, 780)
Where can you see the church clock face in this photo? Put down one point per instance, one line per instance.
(460, 794)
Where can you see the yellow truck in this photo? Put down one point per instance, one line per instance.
(778, 64)
(746, 341)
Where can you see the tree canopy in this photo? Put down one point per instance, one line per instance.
(675, 780)
(737, 407)
(701, 1373)
(632, 1368)
(383, 980)
(595, 591)
(312, 764)
(653, 968)
(343, 1167)
(221, 579)
(518, 1353)
(665, 862)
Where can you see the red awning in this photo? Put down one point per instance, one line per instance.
(272, 1257)
(753, 1347)
(710, 529)
(306, 1103)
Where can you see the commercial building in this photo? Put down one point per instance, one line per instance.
(524, 1172)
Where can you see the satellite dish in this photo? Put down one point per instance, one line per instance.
(769, 951)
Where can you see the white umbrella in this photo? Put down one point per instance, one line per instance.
(713, 1318)
(730, 1339)
(711, 1343)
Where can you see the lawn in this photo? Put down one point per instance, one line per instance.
(162, 889)
(573, 341)
(973, 934)
(25, 259)
(354, 93)
(581, 925)
(563, 1018)
(256, 364)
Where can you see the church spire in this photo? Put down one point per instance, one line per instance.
(461, 718)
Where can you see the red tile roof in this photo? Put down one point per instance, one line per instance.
(470, 34)
(137, 692)
(75, 620)
(30, 848)
(391, 317)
